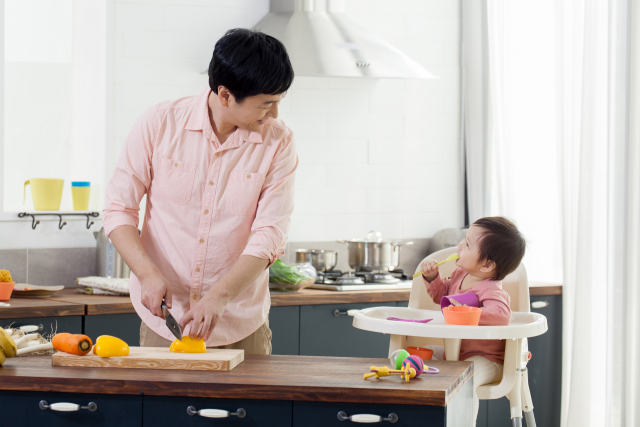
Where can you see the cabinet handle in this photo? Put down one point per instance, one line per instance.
(67, 407)
(367, 418)
(539, 304)
(337, 312)
(31, 328)
(216, 413)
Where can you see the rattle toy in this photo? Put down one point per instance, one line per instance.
(383, 371)
(397, 357)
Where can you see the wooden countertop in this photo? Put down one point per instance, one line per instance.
(303, 378)
(40, 307)
(69, 302)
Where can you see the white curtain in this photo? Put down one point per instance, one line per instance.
(599, 162)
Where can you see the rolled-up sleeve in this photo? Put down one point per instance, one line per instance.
(270, 229)
(132, 175)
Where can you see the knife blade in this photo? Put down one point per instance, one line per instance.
(171, 322)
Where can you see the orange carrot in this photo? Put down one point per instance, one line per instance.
(72, 343)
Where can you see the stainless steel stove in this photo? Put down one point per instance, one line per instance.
(362, 280)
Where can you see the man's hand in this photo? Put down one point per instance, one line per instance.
(154, 289)
(204, 316)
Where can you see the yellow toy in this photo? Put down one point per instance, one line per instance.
(383, 371)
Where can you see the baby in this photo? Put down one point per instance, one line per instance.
(492, 248)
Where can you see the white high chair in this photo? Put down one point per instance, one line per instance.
(514, 383)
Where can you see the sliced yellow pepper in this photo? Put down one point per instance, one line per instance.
(188, 345)
(108, 346)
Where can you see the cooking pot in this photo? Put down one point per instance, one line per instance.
(109, 263)
(373, 253)
(321, 259)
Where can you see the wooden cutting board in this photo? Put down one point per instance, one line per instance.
(156, 358)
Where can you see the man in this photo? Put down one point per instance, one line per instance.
(218, 171)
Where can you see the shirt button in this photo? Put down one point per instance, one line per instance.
(176, 164)
(201, 240)
(218, 154)
(195, 297)
(197, 268)
(210, 182)
(206, 211)
(249, 175)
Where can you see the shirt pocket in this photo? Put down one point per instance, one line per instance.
(243, 191)
(174, 180)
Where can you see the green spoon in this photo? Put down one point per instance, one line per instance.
(452, 257)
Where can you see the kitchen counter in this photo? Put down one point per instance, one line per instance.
(40, 307)
(305, 378)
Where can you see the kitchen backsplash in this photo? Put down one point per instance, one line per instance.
(61, 266)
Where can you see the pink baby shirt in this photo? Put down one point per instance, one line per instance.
(495, 311)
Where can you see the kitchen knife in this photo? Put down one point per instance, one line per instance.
(172, 324)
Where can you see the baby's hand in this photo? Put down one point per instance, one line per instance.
(429, 269)
(456, 302)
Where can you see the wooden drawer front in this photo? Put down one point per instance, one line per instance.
(124, 326)
(23, 409)
(172, 412)
(71, 324)
(323, 334)
(320, 414)
(284, 323)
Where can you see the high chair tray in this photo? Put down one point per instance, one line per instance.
(522, 325)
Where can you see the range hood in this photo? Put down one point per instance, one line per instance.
(322, 41)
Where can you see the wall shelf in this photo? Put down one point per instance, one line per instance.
(34, 222)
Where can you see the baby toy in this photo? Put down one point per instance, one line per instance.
(383, 371)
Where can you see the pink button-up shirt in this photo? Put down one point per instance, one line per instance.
(495, 311)
(207, 204)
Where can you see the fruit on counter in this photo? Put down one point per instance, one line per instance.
(3, 358)
(188, 345)
(108, 346)
(72, 343)
(5, 276)
(7, 344)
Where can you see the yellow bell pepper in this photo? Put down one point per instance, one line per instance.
(188, 345)
(108, 346)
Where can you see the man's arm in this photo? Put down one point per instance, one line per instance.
(153, 284)
(202, 318)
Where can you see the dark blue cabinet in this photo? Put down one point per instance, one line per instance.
(326, 330)
(544, 368)
(172, 412)
(124, 326)
(284, 323)
(25, 409)
(48, 325)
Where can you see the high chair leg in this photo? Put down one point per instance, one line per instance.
(527, 403)
(515, 398)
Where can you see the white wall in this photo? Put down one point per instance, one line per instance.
(380, 154)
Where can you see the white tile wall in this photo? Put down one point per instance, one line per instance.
(374, 154)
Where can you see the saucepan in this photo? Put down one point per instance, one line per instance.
(373, 253)
(321, 259)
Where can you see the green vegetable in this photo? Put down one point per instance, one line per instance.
(282, 273)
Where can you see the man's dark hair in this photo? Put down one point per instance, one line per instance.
(502, 243)
(250, 63)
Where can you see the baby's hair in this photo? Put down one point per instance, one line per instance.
(502, 243)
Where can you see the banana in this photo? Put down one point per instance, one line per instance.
(2, 357)
(7, 344)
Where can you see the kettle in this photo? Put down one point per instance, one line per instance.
(109, 263)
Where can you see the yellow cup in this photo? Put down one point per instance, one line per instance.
(81, 192)
(46, 193)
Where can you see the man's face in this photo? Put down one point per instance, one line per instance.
(252, 113)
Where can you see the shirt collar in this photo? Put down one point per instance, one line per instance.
(199, 120)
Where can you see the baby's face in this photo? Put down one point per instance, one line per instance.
(468, 251)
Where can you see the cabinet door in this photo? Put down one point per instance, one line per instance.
(25, 409)
(47, 325)
(124, 326)
(172, 412)
(284, 323)
(544, 369)
(324, 334)
(325, 414)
